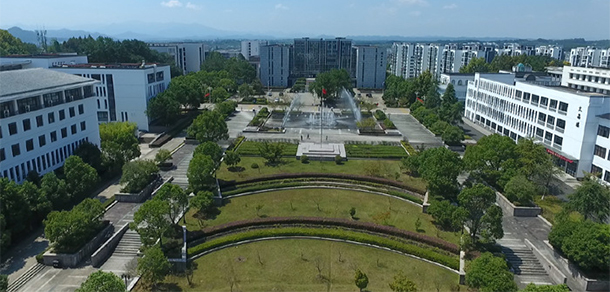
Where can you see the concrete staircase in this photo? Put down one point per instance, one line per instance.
(27, 276)
(129, 245)
(523, 261)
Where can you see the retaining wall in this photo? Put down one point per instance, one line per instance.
(516, 211)
(72, 260)
(584, 283)
(102, 253)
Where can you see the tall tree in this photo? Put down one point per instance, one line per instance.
(138, 174)
(482, 213)
(440, 168)
(214, 62)
(209, 126)
(489, 274)
(55, 190)
(520, 190)
(151, 221)
(433, 98)
(200, 173)
(331, 82)
(272, 152)
(91, 155)
(165, 107)
(153, 266)
(232, 158)
(211, 149)
(202, 201)
(10, 45)
(591, 200)
(101, 281)
(489, 157)
(119, 143)
(176, 197)
(14, 207)
(80, 177)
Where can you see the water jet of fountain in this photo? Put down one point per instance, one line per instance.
(295, 102)
(352, 103)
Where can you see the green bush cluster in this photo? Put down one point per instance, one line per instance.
(375, 151)
(409, 148)
(413, 249)
(585, 243)
(250, 148)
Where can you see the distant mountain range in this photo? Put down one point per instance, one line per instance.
(163, 32)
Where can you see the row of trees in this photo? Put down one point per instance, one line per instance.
(328, 84)
(506, 62)
(10, 45)
(441, 115)
(25, 206)
(219, 79)
(400, 92)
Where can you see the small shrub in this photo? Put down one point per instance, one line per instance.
(388, 124)
(304, 159)
(254, 165)
(352, 212)
(338, 159)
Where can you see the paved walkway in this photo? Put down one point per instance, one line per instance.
(414, 131)
(24, 257)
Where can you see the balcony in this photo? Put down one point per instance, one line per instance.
(540, 122)
(7, 113)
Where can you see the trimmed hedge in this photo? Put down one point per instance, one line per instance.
(372, 227)
(236, 143)
(295, 183)
(409, 148)
(422, 252)
(376, 151)
(355, 177)
(250, 148)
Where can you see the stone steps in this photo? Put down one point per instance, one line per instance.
(25, 277)
(523, 261)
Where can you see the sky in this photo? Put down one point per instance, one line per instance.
(589, 19)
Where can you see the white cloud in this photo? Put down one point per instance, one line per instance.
(412, 2)
(172, 3)
(450, 6)
(190, 5)
(281, 6)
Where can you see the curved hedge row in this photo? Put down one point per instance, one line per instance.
(364, 178)
(449, 261)
(372, 227)
(280, 184)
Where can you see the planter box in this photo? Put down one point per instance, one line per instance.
(516, 211)
(72, 260)
(584, 283)
(142, 195)
(101, 255)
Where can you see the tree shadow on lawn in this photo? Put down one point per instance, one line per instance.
(168, 287)
(209, 214)
(236, 169)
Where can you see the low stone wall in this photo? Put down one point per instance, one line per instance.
(548, 266)
(584, 283)
(72, 260)
(102, 253)
(516, 211)
(142, 195)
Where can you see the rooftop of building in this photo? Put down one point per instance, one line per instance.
(45, 56)
(576, 91)
(129, 66)
(29, 80)
(458, 74)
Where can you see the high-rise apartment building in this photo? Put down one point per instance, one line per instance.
(370, 67)
(589, 57)
(555, 52)
(275, 65)
(187, 56)
(251, 48)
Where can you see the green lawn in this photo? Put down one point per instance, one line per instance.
(551, 206)
(333, 203)
(292, 265)
(252, 148)
(381, 168)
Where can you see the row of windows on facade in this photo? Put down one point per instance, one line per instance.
(499, 107)
(42, 140)
(596, 170)
(27, 124)
(603, 131)
(546, 136)
(42, 162)
(588, 88)
(28, 104)
(590, 78)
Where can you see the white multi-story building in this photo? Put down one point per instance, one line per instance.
(275, 65)
(586, 79)
(251, 48)
(555, 52)
(571, 123)
(459, 81)
(589, 57)
(515, 49)
(44, 116)
(187, 56)
(370, 67)
(14, 62)
(123, 90)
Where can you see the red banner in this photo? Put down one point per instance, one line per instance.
(559, 155)
(420, 100)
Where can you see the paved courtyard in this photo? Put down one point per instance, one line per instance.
(415, 132)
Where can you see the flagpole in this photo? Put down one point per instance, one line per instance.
(321, 111)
